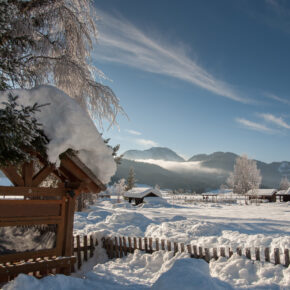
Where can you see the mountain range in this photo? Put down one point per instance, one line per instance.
(199, 173)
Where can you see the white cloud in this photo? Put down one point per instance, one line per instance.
(133, 132)
(275, 120)
(276, 98)
(186, 167)
(121, 42)
(146, 142)
(254, 126)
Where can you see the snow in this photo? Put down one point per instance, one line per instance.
(203, 224)
(268, 191)
(67, 125)
(138, 192)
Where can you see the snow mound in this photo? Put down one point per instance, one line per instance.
(67, 125)
(157, 202)
(189, 274)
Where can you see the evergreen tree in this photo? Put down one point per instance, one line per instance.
(20, 133)
(131, 179)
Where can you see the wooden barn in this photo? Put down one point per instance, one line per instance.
(262, 194)
(41, 206)
(137, 194)
(283, 195)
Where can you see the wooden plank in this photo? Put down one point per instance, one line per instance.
(7, 222)
(42, 174)
(68, 227)
(27, 169)
(277, 256)
(79, 255)
(27, 255)
(257, 254)
(32, 191)
(13, 176)
(286, 255)
(168, 246)
(267, 254)
(85, 239)
(92, 247)
(157, 244)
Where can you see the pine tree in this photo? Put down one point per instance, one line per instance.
(20, 132)
(131, 179)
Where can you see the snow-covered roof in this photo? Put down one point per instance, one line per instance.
(68, 125)
(284, 192)
(140, 192)
(268, 191)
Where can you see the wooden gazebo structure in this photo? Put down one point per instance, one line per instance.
(31, 203)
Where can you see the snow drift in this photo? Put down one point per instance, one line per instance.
(67, 125)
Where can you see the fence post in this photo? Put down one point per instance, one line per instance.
(257, 254)
(286, 254)
(222, 251)
(239, 251)
(277, 256)
(168, 245)
(140, 244)
(120, 247)
(182, 247)
(163, 245)
(146, 245)
(125, 246)
(267, 255)
(248, 253)
(157, 244)
(189, 250)
(92, 248)
(85, 240)
(111, 247)
(117, 250)
(195, 251)
(150, 245)
(130, 244)
(79, 252)
(175, 246)
(215, 255)
(207, 255)
(135, 243)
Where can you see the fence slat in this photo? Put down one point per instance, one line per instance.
(92, 248)
(157, 244)
(117, 252)
(267, 254)
(223, 252)
(195, 251)
(130, 244)
(239, 251)
(150, 245)
(79, 252)
(200, 254)
(163, 245)
(140, 244)
(169, 246)
(85, 239)
(135, 243)
(277, 256)
(125, 249)
(182, 247)
(207, 254)
(146, 244)
(215, 255)
(248, 253)
(175, 245)
(120, 247)
(257, 254)
(286, 255)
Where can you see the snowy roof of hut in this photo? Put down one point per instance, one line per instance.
(284, 192)
(262, 191)
(68, 126)
(140, 192)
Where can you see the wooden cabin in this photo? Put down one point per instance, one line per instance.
(262, 194)
(34, 202)
(137, 194)
(283, 195)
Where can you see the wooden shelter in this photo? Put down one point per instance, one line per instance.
(262, 194)
(137, 194)
(31, 202)
(284, 195)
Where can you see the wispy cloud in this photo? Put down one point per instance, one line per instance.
(133, 132)
(254, 126)
(146, 142)
(275, 120)
(276, 98)
(121, 42)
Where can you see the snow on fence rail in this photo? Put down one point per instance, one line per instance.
(117, 247)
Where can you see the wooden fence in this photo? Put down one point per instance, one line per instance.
(117, 247)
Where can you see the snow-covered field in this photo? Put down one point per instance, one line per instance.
(206, 224)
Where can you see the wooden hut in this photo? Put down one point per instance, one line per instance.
(283, 195)
(262, 194)
(137, 194)
(30, 203)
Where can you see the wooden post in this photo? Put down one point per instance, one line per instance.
(117, 250)
(230, 252)
(120, 247)
(277, 256)
(200, 254)
(239, 251)
(68, 229)
(125, 246)
(79, 252)
(85, 238)
(195, 251)
(267, 254)
(150, 245)
(257, 254)
(130, 245)
(162, 245)
(135, 243)
(207, 255)
(140, 244)
(222, 251)
(286, 255)
(189, 249)
(169, 246)
(146, 245)
(215, 253)
(182, 247)
(175, 245)
(248, 253)
(157, 244)
(92, 247)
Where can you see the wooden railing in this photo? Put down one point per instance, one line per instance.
(117, 247)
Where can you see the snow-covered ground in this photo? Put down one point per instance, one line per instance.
(206, 224)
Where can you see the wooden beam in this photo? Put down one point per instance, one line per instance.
(11, 173)
(42, 174)
(32, 191)
(27, 172)
(68, 228)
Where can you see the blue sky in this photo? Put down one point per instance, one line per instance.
(198, 76)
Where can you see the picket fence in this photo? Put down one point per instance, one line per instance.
(118, 247)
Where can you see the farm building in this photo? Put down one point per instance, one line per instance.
(137, 194)
(266, 194)
(283, 195)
